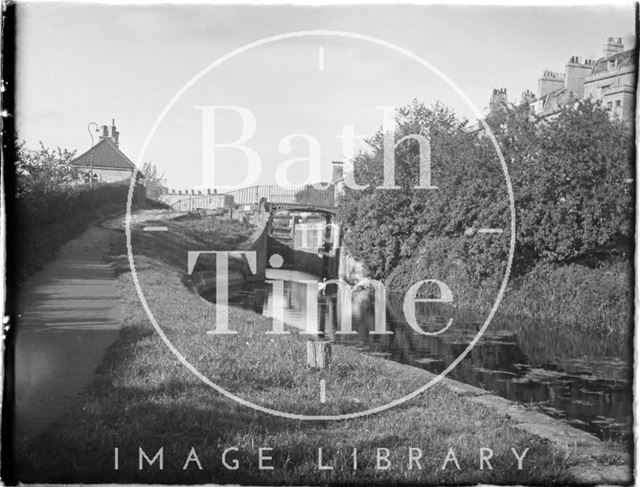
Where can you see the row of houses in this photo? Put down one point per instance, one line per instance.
(610, 80)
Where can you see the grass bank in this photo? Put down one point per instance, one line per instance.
(598, 299)
(144, 398)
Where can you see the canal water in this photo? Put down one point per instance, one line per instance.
(581, 378)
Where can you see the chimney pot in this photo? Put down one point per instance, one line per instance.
(612, 46)
(337, 173)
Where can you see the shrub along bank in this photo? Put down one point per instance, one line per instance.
(46, 221)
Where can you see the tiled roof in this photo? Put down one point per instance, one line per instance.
(104, 155)
(624, 59)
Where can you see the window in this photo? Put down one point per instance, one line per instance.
(609, 105)
(87, 176)
(618, 103)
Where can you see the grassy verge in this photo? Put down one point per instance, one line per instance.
(144, 398)
(598, 299)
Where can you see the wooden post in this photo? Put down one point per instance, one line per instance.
(318, 353)
(319, 349)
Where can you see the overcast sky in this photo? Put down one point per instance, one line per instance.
(83, 63)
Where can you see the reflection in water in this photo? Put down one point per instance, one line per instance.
(568, 374)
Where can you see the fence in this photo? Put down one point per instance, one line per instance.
(198, 202)
(307, 195)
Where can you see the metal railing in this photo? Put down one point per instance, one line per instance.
(307, 195)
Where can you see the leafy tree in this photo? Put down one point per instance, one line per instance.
(155, 181)
(386, 226)
(570, 175)
(572, 181)
(44, 170)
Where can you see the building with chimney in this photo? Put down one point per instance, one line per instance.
(498, 99)
(556, 89)
(613, 80)
(105, 162)
(610, 80)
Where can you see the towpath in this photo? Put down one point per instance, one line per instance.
(68, 315)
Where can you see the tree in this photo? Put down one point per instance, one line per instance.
(571, 177)
(154, 181)
(44, 170)
(580, 200)
(386, 226)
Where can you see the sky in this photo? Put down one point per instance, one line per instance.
(77, 64)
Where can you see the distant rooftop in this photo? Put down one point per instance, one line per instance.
(622, 59)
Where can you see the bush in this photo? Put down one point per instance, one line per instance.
(447, 260)
(45, 221)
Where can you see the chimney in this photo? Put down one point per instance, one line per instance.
(498, 98)
(337, 177)
(528, 97)
(115, 135)
(336, 173)
(110, 133)
(612, 46)
(549, 82)
(575, 74)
